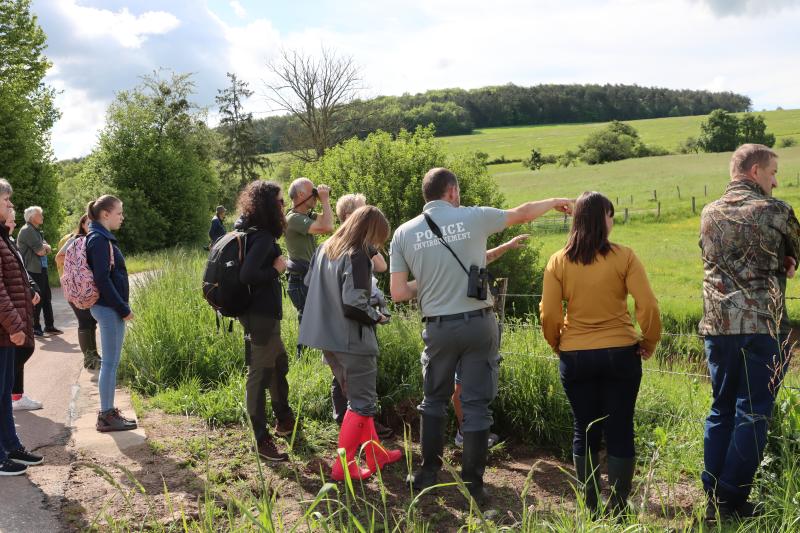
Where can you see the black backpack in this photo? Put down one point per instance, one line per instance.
(221, 286)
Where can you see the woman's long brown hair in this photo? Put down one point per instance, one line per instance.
(366, 226)
(589, 234)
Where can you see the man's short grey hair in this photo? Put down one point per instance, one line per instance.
(29, 212)
(5, 187)
(297, 185)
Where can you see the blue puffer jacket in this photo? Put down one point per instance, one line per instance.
(112, 283)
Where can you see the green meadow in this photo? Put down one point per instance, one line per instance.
(517, 142)
(667, 245)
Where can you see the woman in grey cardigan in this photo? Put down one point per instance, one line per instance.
(339, 320)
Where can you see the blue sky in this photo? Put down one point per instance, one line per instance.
(99, 47)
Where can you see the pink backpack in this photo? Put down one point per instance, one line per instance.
(78, 280)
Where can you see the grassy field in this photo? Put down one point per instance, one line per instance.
(517, 142)
(667, 246)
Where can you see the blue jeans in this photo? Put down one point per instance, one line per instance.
(112, 332)
(746, 373)
(602, 386)
(8, 433)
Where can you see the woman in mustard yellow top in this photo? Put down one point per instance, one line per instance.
(600, 350)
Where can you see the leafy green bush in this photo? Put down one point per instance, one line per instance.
(389, 171)
(615, 142)
(787, 142)
(724, 132)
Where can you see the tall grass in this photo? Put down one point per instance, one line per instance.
(175, 354)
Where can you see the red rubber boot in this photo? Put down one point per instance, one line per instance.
(350, 438)
(377, 455)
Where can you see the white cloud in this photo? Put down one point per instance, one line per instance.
(129, 30)
(82, 117)
(238, 9)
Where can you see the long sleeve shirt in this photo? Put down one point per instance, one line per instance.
(597, 302)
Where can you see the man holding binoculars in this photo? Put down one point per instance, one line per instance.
(440, 248)
(302, 224)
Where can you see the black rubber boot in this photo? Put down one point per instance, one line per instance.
(586, 470)
(473, 463)
(432, 438)
(87, 340)
(620, 479)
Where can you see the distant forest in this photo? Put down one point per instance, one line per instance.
(460, 111)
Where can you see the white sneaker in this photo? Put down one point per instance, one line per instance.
(25, 404)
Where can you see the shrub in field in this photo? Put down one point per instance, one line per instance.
(724, 132)
(615, 142)
(787, 142)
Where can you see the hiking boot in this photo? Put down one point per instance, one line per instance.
(267, 450)
(25, 404)
(588, 476)
(432, 444)
(286, 428)
(11, 468)
(112, 420)
(384, 432)
(473, 464)
(37, 332)
(620, 480)
(24, 457)
(53, 331)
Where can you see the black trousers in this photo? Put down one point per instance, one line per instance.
(602, 386)
(21, 356)
(85, 319)
(45, 302)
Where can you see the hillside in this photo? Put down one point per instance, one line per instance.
(517, 142)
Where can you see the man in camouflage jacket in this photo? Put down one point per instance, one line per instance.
(749, 242)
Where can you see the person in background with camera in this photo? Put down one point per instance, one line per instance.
(16, 330)
(34, 250)
(302, 224)
(261, 208)
(345, 206)
(600, 351)
(445, 250)
(341, 322)
(19, 400)
(87, 325)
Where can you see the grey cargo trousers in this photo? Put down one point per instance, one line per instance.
(473, 342)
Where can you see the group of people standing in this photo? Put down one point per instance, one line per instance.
(24, 291)
(749, 243)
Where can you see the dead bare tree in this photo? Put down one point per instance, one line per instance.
(320, 92)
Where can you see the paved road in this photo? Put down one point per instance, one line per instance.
(51, 376)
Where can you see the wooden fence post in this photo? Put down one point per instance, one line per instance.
(626, 216)
(617, 200)
(655, 195)
(565, 221)
(500, 301)
(658, 213)
(694, 206)
(631, 199)
(705, 189)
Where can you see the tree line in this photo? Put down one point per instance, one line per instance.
(460, 111)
